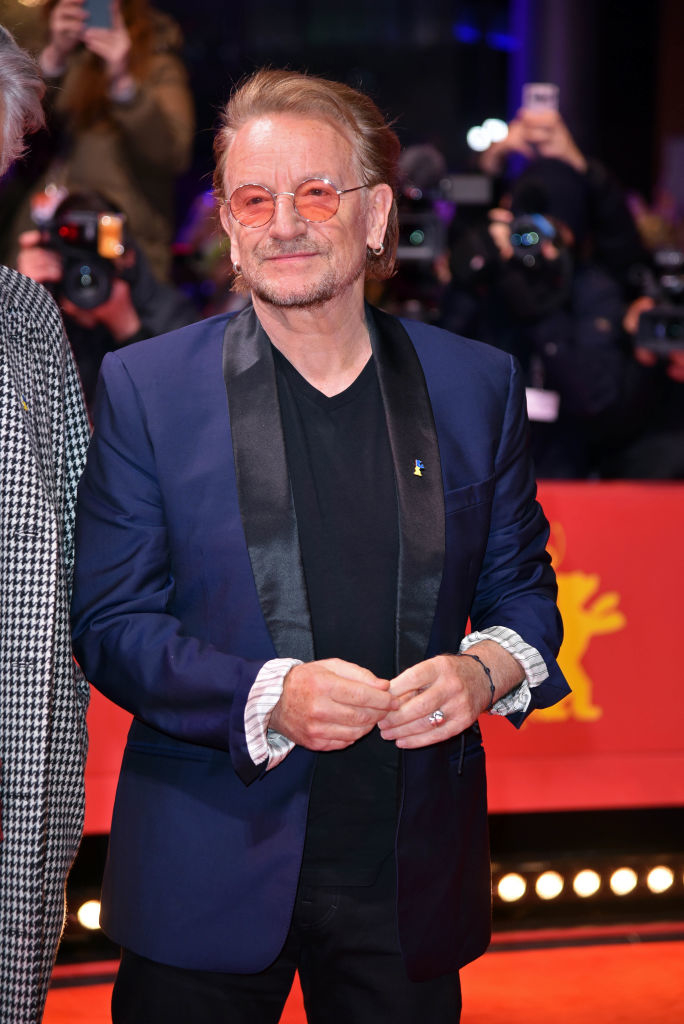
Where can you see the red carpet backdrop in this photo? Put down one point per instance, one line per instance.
(641, 983)
(616, 741)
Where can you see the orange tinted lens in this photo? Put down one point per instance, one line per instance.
(316, 200)
(252, 205)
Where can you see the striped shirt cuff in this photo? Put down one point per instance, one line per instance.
(527, 657)
(266, 744)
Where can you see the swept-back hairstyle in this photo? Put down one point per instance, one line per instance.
(21, 92)
(375, 144)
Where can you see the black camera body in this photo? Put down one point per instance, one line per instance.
(661, 329)
(529, 231)
(88, 243)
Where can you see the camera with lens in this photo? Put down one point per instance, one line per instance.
(661, 329)
(529, 231)
(473, 253)
(88, 241)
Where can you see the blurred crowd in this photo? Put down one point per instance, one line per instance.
(554, 263)
(541, 253)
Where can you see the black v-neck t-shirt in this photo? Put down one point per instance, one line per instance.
(344, 492)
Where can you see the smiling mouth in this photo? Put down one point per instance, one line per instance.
(289, 256)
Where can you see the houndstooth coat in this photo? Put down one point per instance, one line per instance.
(43, 696)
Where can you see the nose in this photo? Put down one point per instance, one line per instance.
(286, 222)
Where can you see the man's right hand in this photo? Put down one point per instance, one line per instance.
(328, 705)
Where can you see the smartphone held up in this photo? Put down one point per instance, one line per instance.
(99, 13)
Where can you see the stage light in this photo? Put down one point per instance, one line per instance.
(623, 881)
(511, 887)
(478, 139)
(660, 879)
(88, 915)
(481, 136)
(549, 885)
(586, 883)
(495, 128)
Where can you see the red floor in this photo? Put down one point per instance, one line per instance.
(640, 982)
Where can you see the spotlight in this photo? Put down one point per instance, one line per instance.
(481, 136)
(511, 887)
(88, 915)
(549, 885)
(660, 879)
(478, 138)
(495, 128)
(586, 883)
(623, 881)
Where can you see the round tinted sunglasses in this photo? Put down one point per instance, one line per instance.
(315, 200)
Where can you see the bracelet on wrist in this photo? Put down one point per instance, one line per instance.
(488, 672)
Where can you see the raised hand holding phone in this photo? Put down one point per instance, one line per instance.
(113, 45)
(66, 24)
(543, 129)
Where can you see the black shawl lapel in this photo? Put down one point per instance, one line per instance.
(264, 494)
(413, 436)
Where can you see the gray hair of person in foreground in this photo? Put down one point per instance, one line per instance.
(21, 92)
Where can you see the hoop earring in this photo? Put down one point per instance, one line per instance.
(377, 251)
(236, 268)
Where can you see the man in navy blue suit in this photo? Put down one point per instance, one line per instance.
(287, 519)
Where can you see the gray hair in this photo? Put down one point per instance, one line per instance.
(21, 92)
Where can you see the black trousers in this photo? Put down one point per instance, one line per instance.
(344, 943)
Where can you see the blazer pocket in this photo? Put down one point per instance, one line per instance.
(186, 752)
(469, 496)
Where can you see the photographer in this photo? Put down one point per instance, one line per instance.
(522, 282)
(415, 290)
(120, 117)
(537, 134)
(107, 302)
(650, 444)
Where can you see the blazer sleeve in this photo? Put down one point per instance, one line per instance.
(126, 637)
(516, 586)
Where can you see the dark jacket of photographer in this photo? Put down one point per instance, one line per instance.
(648, 443)
(563, 323)
(161, 308)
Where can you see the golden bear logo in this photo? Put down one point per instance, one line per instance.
(586, 613)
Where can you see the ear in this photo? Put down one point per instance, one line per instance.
(228, 225)
(379, 206)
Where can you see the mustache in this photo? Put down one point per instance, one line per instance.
(288, 248)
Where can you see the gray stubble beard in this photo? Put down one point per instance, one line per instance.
(316, 294)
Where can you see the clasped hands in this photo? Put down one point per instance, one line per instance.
(329, 704)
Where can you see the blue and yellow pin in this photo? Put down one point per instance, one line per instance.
(418, 467)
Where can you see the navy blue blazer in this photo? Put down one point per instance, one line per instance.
(189, 578)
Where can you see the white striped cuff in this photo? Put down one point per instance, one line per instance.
(527, 657)
(264, 743)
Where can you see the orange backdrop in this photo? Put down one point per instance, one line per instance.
(618, 550)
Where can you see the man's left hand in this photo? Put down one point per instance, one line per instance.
(456, 686)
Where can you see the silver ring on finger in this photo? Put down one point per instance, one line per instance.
(437, 717)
